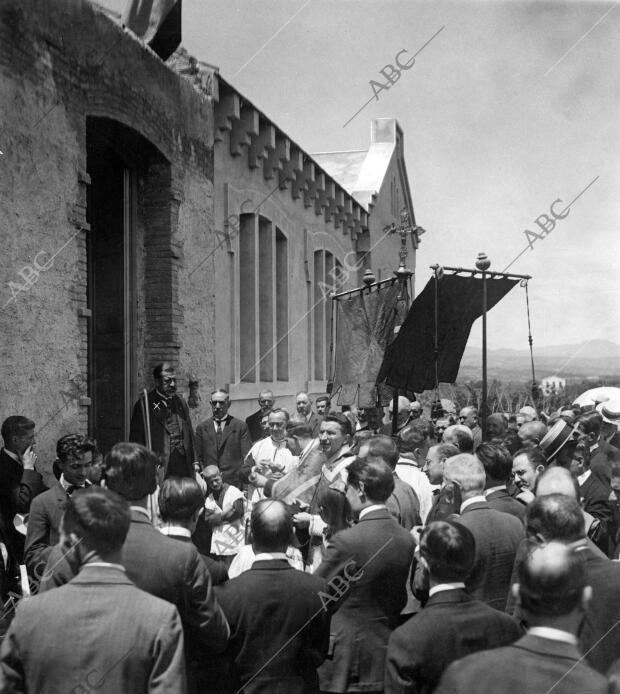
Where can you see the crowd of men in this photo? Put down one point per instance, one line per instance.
(314, 551)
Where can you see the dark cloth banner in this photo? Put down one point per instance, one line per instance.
(156, 22)
(365, 326)
(409, 362)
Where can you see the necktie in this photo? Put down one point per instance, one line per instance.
(218, 432)
(70, 489)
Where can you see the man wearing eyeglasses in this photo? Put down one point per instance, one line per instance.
(254, 421)
(75, 457)
(172, 435)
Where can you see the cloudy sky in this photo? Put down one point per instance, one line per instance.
(511, 106)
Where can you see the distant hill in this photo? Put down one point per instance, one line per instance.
(594, 358)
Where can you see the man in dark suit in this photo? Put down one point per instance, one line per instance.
(74, 458)
(172, 435)
(497, 534)
(181, 501)
(279, 629)
(554, 594)
(101, 633)
(559, 518)
(376, 556)
(497, 463)
(19, 481)
(223, 440)
(157, 564)
(452, 624)
(254, 421)
(602, 454)
(303, 403)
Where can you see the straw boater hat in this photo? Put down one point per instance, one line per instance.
(556, 438)
(610, 411)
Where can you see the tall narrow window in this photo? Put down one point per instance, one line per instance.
(281, 306)
(319, 314)
(247, 298)
(265, 299)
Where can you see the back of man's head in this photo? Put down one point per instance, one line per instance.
(467, 472)
(531, 433)
(552, 579)
(590, 424)
(557, 480)
(555, 517)
(271, 525)
(414, 435)
(99, 518)
(448, 549)
(129, 470)
(497, 463)
(15, 426)
(376, 475)
(380, 446)
(460, 436)
(179, 499)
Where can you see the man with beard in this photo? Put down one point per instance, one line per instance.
(172, 435)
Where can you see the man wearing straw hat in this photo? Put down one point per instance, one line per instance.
(161, 422)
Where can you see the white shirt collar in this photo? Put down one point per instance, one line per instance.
(142, 510)
(498, 488)
(175, 530)
(553, 634)
(440, 587)
(12, 455)
(473, 500)
(583, 478)
(65, 485)
(270, 556)
(370, 509)
(107, 564)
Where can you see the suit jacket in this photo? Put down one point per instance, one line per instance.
(18, 487)
(451, 626)
(501, 500)
(217, 570)
(382, 551)
(595, 497)
(43, 525)
(404, 504)
(601, 460)
(497, 536)
(233, 448)
(159, 431)
(532, 664)
(279, 631)
(315, 422)
(101, 633)
(168, 569)
(253, 422)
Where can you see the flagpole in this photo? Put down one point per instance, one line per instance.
(483, 264)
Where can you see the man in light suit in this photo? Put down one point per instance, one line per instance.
(497, 534)
(172, 435)
(223, 440)
(375, 556)
(157, 564)
(279, 629)
(452, 624)
(101, 632)
(75, 457)
(554, 594)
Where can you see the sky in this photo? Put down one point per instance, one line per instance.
(508, 107)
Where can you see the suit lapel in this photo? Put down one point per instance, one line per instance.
(226, 431)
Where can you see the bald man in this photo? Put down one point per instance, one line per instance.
(531, 434)
(468, 417)
(403, 415)
(553, 594)
(303, 404)
(279, 631)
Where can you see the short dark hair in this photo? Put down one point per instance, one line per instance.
(534, 455)
(449, 549)
(496, 460)
(271, 524)
(15, 425)
(129, 470)
(555, 517)
(345, 423)
(179, 498)
(413, 436)
(280, 410)
(383, 447)
(376, 475)
(322, 398)
(579, 445)
(99, 517)
(73, 446)
(590, 423)
(551, 580)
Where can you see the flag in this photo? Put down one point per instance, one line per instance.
(156, 22)
(365, 324)
(409, 362)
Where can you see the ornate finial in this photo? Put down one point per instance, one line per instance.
(369, 277)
